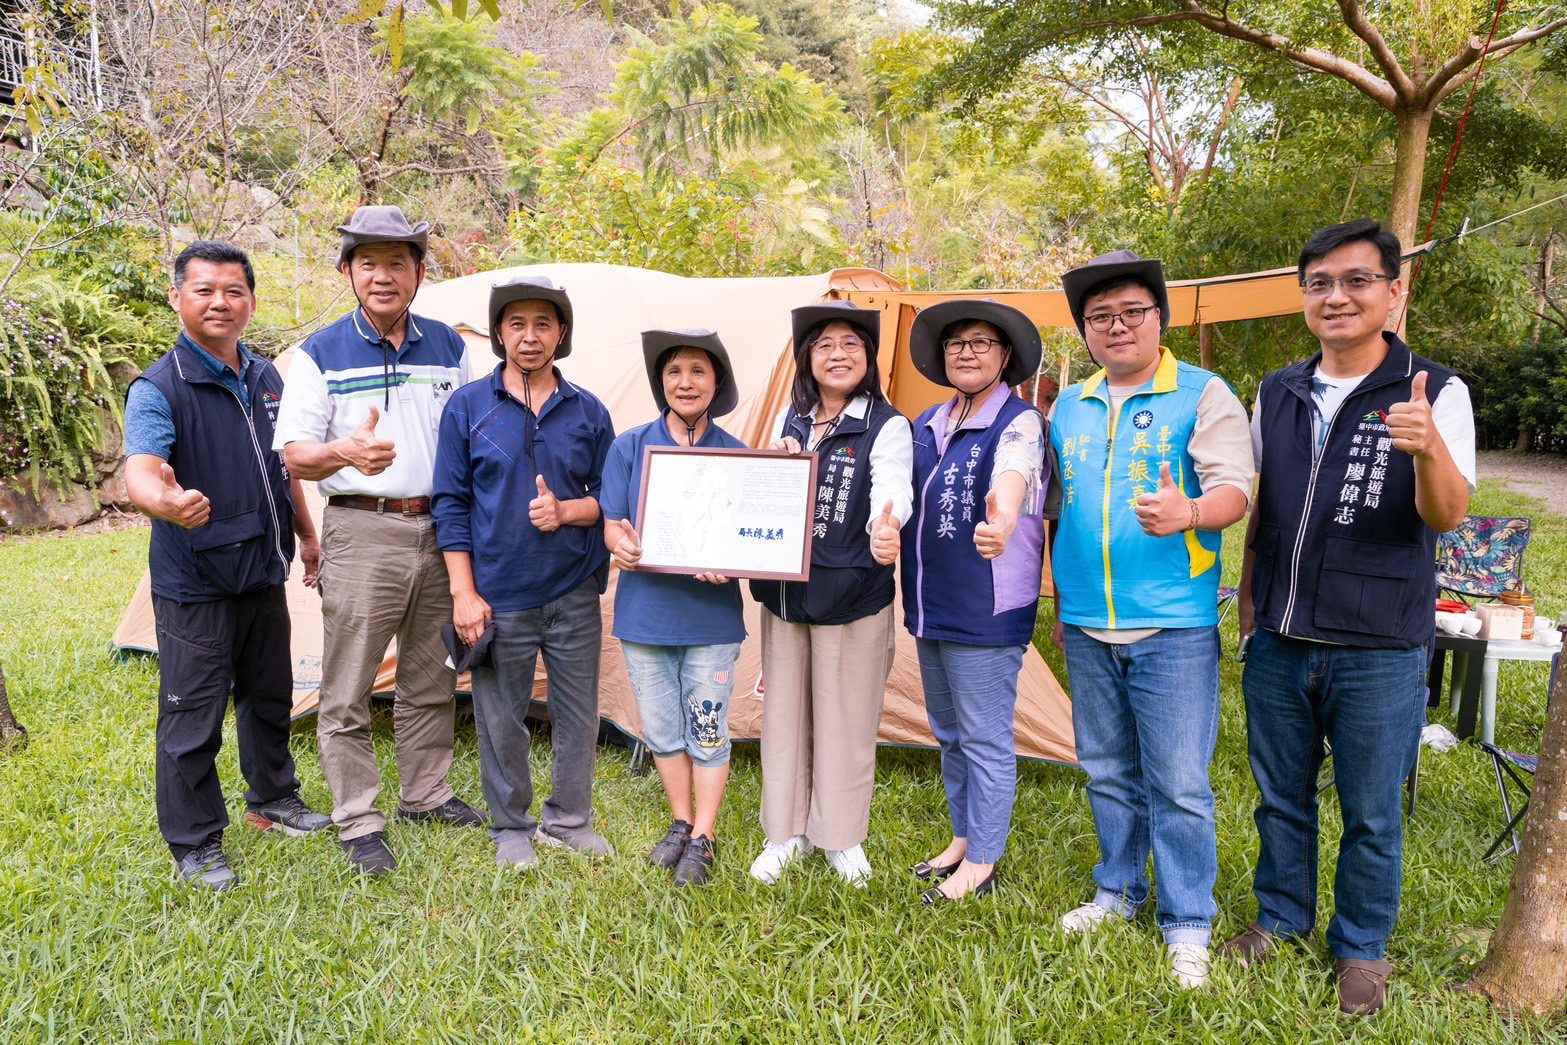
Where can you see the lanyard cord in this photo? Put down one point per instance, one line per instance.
(388, 365)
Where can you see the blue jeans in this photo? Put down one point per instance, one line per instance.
(970, 698)
(683, 698)
(1146, 718)
(1369, 704)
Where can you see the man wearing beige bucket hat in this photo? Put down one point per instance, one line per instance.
(359, 416)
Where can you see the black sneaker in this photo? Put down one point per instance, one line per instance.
(369, 854)
(205, 867)
(666, 853)
(453, 811)
(696, 861)
(288, 814)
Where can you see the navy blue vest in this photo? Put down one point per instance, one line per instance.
(1342, 554)
(950, 591)
(249, 540)
(846, 583)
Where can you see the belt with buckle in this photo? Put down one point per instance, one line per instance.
(382, 505)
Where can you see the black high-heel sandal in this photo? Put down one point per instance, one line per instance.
(926, 871)
(933, 896)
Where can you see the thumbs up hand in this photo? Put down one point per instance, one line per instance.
(364, 450)
(544, 510)
(628, 550)
(992, 535)
(1166, 511)
(1410, 424)
(187, 508)
(886, 538)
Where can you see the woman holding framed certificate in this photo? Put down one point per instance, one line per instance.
(827, 641)
(971, 576)
(680, 634)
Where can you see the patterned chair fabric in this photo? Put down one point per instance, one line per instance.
(1482, 557)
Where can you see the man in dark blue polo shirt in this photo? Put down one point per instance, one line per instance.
(197, 427)
(517, 475)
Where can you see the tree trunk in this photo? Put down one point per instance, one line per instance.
(1205, 346)
(12, 732)
(1409, 166)
(1525, 966)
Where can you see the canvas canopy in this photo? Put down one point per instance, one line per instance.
(613, 305)
(1222, 299)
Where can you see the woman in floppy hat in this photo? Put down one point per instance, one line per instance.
(680, 635)
(827, 643)
(971, 578)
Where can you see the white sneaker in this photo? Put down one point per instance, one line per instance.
(1189, 964)
(1086, 918)
(850, 864)
(776, 856)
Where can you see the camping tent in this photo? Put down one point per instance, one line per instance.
(1199, 302)
(613, 305)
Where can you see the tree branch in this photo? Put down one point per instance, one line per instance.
(1357, 76)
(1444, 80)
(1355, 18)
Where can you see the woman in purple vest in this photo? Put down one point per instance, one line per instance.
(972, 569)
(827, 642)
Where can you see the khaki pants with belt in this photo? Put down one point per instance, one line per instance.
(820, 712)
(383, 576)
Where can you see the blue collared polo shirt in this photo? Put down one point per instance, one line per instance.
(490, 451)
(662, 609)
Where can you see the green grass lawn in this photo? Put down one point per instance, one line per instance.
(98, 943)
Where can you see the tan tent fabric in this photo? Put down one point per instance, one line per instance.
(1254, 295)
(613, 305)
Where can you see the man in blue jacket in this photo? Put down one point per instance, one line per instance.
(198, 428)
(1153, 463)
(1366, 453)
(518, 471)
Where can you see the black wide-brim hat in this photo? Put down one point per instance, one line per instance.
(656, 342)
(381, 224)
(465, 657)
(807, 318)
(529, 288)
(925, 337)
(1079, 282)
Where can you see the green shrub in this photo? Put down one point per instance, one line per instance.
(58, 343)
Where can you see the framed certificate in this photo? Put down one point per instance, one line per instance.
(740, 513)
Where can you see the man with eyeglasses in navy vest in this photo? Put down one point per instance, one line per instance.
(1365, 453)
(198, 432)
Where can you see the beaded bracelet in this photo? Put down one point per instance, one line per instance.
(1196, 513)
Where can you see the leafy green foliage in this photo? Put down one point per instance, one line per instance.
(699, 85)
(702, 163)
(58, 342)
(1523, 387)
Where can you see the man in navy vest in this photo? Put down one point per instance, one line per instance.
(1365, 453)
(198, 425)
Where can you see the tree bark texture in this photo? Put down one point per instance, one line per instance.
(11, 731)
(1525, 965)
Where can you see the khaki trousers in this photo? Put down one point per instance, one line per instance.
(820, 711)
(383, 576)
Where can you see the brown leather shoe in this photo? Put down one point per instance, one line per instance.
(1362, 985)
(1253, 945)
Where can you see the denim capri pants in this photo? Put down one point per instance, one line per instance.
(683, 695)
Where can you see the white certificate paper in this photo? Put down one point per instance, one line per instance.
(740, 513)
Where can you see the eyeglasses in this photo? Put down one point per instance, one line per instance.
(980, 346)
(852, 346)
(1354, 283)
(1132, 317)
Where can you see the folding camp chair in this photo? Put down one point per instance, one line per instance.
(1227, 597)
(1519, 768)
(1482, 557)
